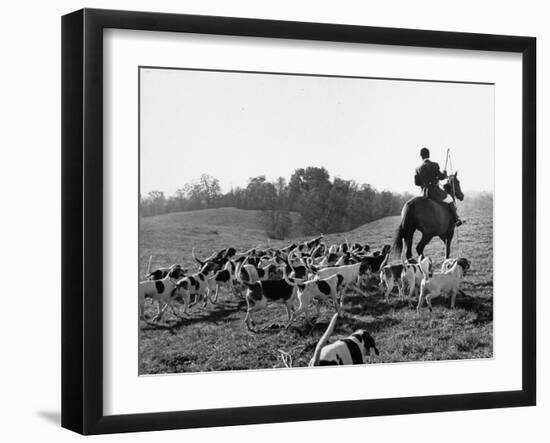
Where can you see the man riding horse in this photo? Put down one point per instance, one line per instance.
(432, 214)
(427, 176)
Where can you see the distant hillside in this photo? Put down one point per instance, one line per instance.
(171, 237)
(168, 237)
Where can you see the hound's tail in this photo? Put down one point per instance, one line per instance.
(290, 281)
(317, 354)
(196, 259)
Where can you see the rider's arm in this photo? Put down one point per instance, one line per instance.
(440, 175)
(417, 181)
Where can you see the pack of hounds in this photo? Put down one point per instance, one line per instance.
(302, 276)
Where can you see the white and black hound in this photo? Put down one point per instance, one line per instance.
(259, 294)
(317, 291)
(161, 291)
(159, 273)
(193, 285)
(447, 282)
(408, 274)
(413, 274)
(223, 277)
(351, 350)
(351, 276)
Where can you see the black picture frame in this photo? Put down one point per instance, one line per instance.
(82, 220)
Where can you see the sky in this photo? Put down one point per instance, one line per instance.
(234, 126)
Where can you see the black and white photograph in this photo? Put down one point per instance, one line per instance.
(291, 220)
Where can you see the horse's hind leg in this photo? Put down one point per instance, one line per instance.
(408, 244)
(448, 242)
(422, 243)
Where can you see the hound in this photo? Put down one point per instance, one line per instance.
(159, 290)
(192, 285)
(390, 276)
(413, 273)
(351, 275)
(216, 261)
(445, 282)
(160, 273)
(448, 264)
(351, 350)
(224, 277)
(403, 274)
(309, 245)
(375, 262)
(318, 291)
(260, 293)
(252, 274)
(328, 260)
(296, 267)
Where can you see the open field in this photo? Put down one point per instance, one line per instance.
(215, 338)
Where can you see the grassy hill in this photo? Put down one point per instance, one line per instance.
(170, 237)
(214, 338)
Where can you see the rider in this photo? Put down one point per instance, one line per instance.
(427, 176)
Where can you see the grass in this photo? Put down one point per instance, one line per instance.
(215, 338)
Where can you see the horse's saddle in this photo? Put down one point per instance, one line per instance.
(434, 192)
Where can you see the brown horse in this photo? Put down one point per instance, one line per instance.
(431, 218)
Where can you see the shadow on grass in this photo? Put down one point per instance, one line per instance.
(372, 304)
(212, 313)
(482, 307)
(347, 325)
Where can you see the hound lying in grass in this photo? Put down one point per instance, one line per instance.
(447, 282)
(351, 350)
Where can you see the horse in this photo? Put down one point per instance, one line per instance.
(429, 217)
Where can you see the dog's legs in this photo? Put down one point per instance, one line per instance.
(247, 318)
(420, 299)
(174, 311)
(389, 286)
(400, 288)
(318, 309)
(250, 309)
(186, 302)
(160, 311)
(288, 305)
(336, 305)
(342, 292)
(355, 289)
(429, 301)
(302, 307)
(453, 298)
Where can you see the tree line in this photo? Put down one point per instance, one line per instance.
(325, 205)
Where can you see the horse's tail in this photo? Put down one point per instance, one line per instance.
(397, 246)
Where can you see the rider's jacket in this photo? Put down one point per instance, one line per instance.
(427, 176)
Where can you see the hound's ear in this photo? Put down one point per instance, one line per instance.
(159, 286)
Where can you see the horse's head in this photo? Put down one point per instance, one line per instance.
(452, 186)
